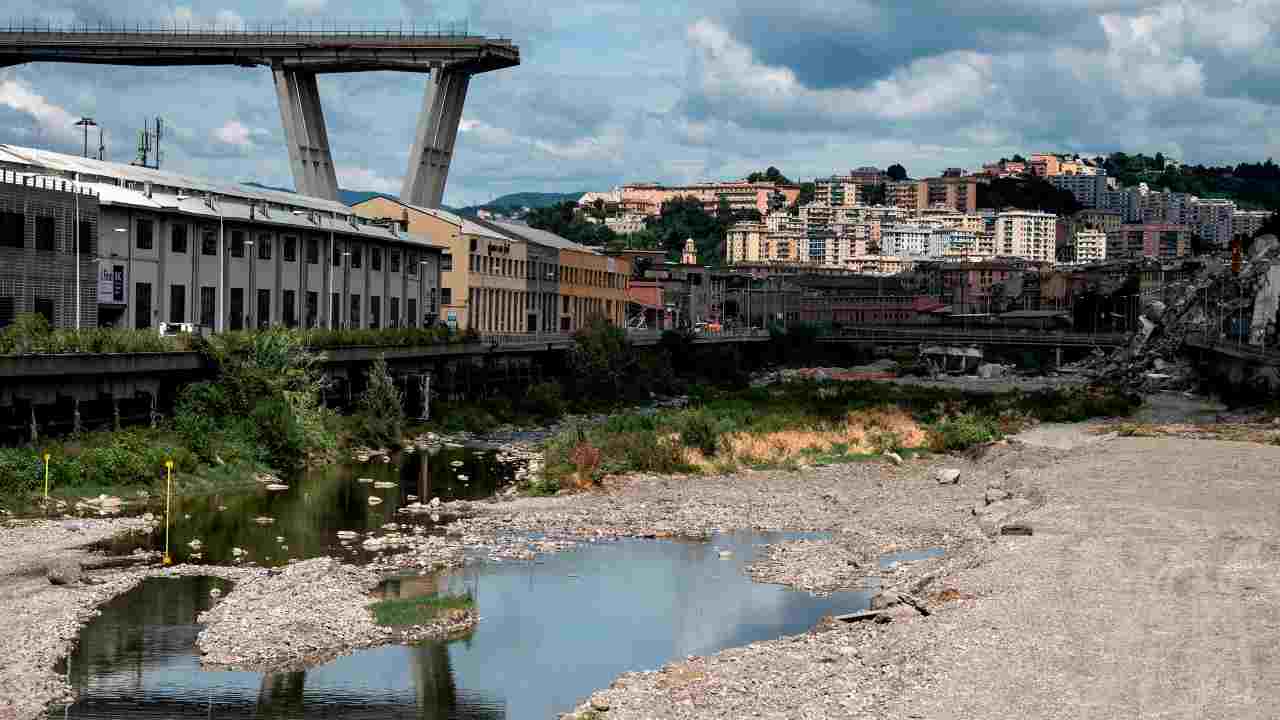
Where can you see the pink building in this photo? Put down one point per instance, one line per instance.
(648, 198)
(1162, 241)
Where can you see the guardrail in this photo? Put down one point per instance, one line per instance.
(274, 30)
(983, 337)
(1232, 347)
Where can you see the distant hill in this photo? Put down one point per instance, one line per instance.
(523, 199)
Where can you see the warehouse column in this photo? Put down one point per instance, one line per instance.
(433, 142)
(304, 132)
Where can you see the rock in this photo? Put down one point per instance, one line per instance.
(988, 371)
(435, 502)
(277, 486)
(364, 481)
(64, 571)
(456, 463)
(195, 544)
(995, 495)
(215, 593)
(264, 520)
(383, 485)
(599, 704)
(347, 535)
(726, 553)
(884, 600)
(1263, 245)
(947, 476)
(1016, 529)
(893, 457)
(375, 500)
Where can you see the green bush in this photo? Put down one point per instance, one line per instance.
(279, 433)
(21, 472)
(698, 430)
(381, 409)
(545, 400)
(962, 432)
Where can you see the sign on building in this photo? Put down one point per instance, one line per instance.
(111, 283)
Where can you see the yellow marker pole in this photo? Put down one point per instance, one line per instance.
(168, 495)
(46, 479)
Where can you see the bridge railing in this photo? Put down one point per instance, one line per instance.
(1027, 337)
(34, 29)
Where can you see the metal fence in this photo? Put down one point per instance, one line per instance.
(970, 337)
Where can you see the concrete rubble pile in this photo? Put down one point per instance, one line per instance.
(1213, 305)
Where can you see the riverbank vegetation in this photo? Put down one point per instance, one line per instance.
(30, 334)
(804, 423)
(422, 610)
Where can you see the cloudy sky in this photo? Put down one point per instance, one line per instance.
(621, 90)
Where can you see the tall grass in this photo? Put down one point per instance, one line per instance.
(417, 610)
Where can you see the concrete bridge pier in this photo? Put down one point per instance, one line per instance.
(433, 141)
(305, 134)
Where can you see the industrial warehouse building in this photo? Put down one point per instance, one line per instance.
(157, 246)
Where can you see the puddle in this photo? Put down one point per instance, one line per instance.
(893, 559)
(319, 503)
(550, 633)
(1176, 407)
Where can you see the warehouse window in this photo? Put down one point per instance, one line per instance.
(8, 310)
(44, 306)
(357, 256)
(395, 261)
(355, 311)
(86, 237)
(313, 309)
(46, 233)
(411, 264)
(237, 308)
(290, 248)
(446, 296)
(13, 229)
(178, 239)
(313, 251)
(375, 312)
(208, 241)
(207, 295)
(290, 298)
(375, 259)
(142, 305)
(237, 243)
(177, 303)
(411, 313)
(264, 251)
(146, 238)
(264, 308)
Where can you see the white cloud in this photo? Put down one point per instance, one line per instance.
(49, 117)
(728, 75)
(305, 7)
(233, 132)
(359, 178)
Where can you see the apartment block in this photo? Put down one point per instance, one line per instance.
(1088, 190)
(1159, 241)
(952, 192)
(1248, 222)
(1027, 234)
(646, 199)
(1214, 221)
(1089, 246)
(836, 192)
(907, 195)
(745, 242)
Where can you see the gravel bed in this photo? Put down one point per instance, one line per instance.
(819, 567)
(302, 615)
(39, 622)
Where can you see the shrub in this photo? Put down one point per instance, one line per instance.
(699, 431)
(381, 408)
(962, 432)
(21, 472)
(544, 400)
(278, 432)
(586, 460)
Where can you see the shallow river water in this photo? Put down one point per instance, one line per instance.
(550, 633)
(304, 519)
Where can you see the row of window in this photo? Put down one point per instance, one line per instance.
(239, 319)
(239, 240)
(13, 233)
(509, 267)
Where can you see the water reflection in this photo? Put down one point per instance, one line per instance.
(550, 634)
(305, 519)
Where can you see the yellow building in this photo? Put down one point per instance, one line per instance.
(507, 278)
(480, 270)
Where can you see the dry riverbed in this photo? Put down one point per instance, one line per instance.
(311, 611)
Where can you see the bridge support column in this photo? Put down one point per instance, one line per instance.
(1057, 357)
(305, 134)
(433, 142)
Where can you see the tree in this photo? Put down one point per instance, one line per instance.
(1018, 158)
(772, 174)
(381, 407)
(807, 193)
(566, 220)
(875, 194)
(896, 172)
(601, 359)
(1026, 193)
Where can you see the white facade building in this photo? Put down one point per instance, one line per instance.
(1027, 234)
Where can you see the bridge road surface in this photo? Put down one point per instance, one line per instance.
(1151, 589)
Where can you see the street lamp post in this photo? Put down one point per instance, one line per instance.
(248, 252)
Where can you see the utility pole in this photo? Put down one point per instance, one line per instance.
(86, 123)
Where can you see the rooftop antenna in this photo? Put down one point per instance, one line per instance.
(149, 144)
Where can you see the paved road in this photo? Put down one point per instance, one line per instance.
(1151, 589)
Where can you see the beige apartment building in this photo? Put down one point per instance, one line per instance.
(1027, 234)
(506, 278)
